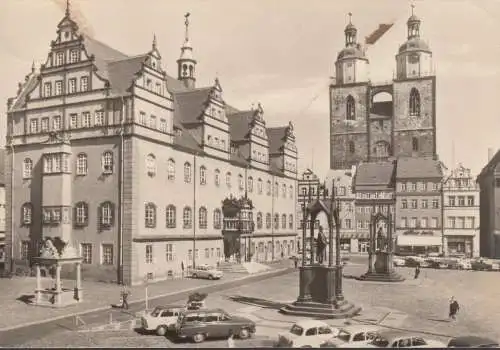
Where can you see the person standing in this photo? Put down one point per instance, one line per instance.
(125, 294)
(454, 307)
(417, 271)
(230, 339)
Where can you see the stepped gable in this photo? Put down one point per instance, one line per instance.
(418, 168)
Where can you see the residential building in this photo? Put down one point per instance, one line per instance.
(460, 213)
(376, 121)
(131, 165)
(309, 187)
(374, 190)
(489, 207)
(350, 239)
(418, 206)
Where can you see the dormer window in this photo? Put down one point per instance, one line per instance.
(74, 56)
(47, 89)
(84, 84)
(59, 59)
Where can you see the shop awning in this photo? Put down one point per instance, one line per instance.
(421, 241)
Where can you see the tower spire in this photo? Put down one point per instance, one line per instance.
(154, 41)
(67, 8)
(186, 23)
(350, 17)
(186, 63)
(350, 33)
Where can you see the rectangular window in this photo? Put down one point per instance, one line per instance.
(461, 201)
(471, 222)
(72, 85)
(74, 56)
(99, 118)
(451, 201)
(414, 204)
(435, 204)
(470, 201)
(190, 255)
(47, 89)
(163, 125)
(158, 88)
(451, 222)
(45, 124)
(197, 254)
(107, 254)
(149, 253)
(33, 126)
(84, 84)
(59, 59)
(152, 122)
(423, 222)
(347, 223)
(404, 204)
(414, 186)
(169, 252)
(434, 222)
(25, 250)
(87, 120)
(461, 222)
(86, 252)
(359, 224)
(59, 87)
(207, 253)
(142, 118)
(402, 187)
(73, 121)
(218, 252)
(425, 203)
(497, 182)
(413, 223)
(56, 122)
(403, 222)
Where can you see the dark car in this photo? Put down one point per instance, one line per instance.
(481, 265)
(212, 323)
(472, 341)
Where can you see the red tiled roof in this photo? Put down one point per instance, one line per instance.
(376, 173)
(416, 168)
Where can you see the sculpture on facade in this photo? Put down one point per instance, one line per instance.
(321, 245)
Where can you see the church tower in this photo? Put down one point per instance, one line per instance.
(186, 64)
(349, 104)
(414, 91)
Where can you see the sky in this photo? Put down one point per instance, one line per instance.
(281, 53)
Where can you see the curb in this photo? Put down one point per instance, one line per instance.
(108, 307)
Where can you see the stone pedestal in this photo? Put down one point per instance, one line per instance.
(383, 270)
(320, 294)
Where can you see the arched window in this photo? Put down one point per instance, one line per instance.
(27, 168)
(81, 164)
(290, 221)
(171, 169)
(187, 217)
(268, 191)
(241, 184)
(350, 108)
(250, 184)
(107, 162)
(217, 219)
(276, 221)
(268, 220)
(414, 144)
(187, 172)
(150, 215)
(276, 190)
(228, 179)
(283, 191)
(259, 220)
(291, 192)
(259, 186)
(217, 177)
(106, 212)
(202, 217)
(203, 175)
(283, 221)
(414, 102)
(81, 214)
(170, 216)
(352, 148)
(151, 165)
(27, 213)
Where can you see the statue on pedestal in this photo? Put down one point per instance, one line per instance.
(321, 245)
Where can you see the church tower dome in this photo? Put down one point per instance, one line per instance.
(351, 65)
(186, 64)
(414, 58)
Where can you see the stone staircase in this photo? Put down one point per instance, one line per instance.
(243, 268)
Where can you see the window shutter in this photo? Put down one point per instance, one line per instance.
(99, 217)
(112, 207)
(87, 213)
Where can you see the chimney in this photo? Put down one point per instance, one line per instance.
(491, 153)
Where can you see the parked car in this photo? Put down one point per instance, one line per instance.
(437, 263)
(413, 261)
(199, 325)
(397, 261)
(481, 265)
(206, 271)
(352, 337)
(472, 341)
(307, 334)
(464, 264)
(161, 319)
(395, 339)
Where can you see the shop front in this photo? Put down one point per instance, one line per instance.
(459, 246)
(418, 244)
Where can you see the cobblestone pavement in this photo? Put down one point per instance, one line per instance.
(14, 291)
(417, 305)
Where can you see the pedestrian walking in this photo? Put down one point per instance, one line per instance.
(417, 271)
(295, 261)
(230, 339)
(182, 268)
(454, 307)
(124, 296)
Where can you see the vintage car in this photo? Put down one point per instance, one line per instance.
(397, 261)
(472, 341)
(481, 265)
(206, 271)
(352, 337)
(199, 325)
(161, 319)
(307, 333)
(396, 339)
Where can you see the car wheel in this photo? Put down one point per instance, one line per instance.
(194, 275)
(199, 338)
(210, 277)
(161, 330)
(244, 333)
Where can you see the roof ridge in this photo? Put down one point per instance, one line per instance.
(184, 92)
(128, 58)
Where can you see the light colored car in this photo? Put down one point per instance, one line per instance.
(352, 336)
(397, 261)
(464, 264)
(307, 334)
(206, 271)
(161, 319)
(395, 339)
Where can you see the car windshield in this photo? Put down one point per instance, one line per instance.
(156, 312)
(296, 330)
(344, 336)
(380, 342)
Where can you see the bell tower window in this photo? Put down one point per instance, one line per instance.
(414, 102)
(350, 108)
(414, 144)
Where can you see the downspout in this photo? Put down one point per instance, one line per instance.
(194, 210)
(12, 207)
(122, 170)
